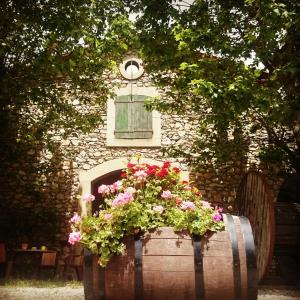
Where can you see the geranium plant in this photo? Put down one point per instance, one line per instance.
(147, 197)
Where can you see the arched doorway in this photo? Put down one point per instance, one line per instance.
(108, 171)
(107, 179)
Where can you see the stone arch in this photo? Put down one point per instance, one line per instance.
(86, 178)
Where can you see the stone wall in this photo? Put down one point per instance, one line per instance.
(58, 188)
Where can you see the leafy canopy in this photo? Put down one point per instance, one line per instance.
(53, 53)
(234, 63)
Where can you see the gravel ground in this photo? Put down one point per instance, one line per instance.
(278, 294)
(61, 293)
(64, 293)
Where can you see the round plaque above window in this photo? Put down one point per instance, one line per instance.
(132, 68)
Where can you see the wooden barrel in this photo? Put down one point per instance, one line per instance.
(254, 201)
(164, 265)
(287, 228)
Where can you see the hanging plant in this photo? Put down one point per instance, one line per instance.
(147, 197)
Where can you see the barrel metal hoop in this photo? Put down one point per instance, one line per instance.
(230, 225)
(198, 263)
(138, 270)
(252, 275)
(88, 275)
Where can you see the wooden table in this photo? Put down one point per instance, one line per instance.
(36, 254)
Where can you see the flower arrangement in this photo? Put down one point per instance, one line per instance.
(147, 197)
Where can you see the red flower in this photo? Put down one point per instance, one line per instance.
(155, 167)
(130, 166)
(176, 170)
(163, 172)
(151, 171)
(166, 164)
(137, 168)
(123, 174)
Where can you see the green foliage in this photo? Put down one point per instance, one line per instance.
(235, 64)
(53, 53)
(148, 197)
(272, 155)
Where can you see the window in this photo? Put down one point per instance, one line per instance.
(132, 68)
(132, 120)
(149, 122)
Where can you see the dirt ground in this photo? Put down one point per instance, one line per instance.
(64, 293)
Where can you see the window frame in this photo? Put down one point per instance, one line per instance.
(112, 141)
(137, 122)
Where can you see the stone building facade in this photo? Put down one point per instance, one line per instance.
(85, 159)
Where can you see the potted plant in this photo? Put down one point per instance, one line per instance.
(147, 197)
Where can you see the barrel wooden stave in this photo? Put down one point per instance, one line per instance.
(119, 275)
(287, 233)
(168, 268)
(254, 201)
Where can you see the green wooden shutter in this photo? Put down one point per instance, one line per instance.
(122, 125)
(133, 121)
(141, 118)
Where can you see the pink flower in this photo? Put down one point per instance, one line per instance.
(115, 186)
(103, 189)
(219, 209)
(121, 199)
(158, 208)
(130, 190)
(206, 204)
(217, 217)
(74, 237)
(75, 219)
(141, 175)
(187, 205)
(88, 197)
(107, 216)
(166, 194)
